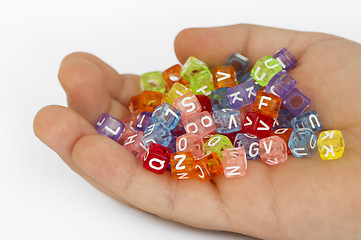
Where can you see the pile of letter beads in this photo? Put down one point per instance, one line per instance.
(199, 122)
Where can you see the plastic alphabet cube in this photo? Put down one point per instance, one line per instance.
(166, 114)
(218, 143)
(240, 64)
(208, 167)
(143, 121)
(331, 144)
(242, 95)
(296, 102)
(285, 58)
(283, 119)
(302, 142)
(234, 162)
(265, 69)
(133, 143)
(146, 101)
(181, 165)
(190, 142)
(281, 84)
(273, 150)
(307, 120)
(250, 143)
(219, 99)
(200, 123)
(173, 144)
(191, 67)
(175, 92)
(201, 83)
(153, 81)
(172, 75)
(285, 134)
(157, 133)
(224, 76)
(156, 158)
(267, 104)
(205, 103)
(188, 105)
(227, 120)
(257, 124)
(109, 126)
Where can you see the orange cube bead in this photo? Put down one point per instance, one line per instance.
(208, 167)
(285, 134)
(172, 75)
(181, 165)
(224, 76)
(146, 101)
(267, 104)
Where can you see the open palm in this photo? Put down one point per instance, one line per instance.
(302, 198)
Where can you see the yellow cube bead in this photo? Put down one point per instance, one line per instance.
(175, 92)
(331, 144)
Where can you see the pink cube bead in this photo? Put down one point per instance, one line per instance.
(273, 150)
(134, 144)
(200, 123)
(234, 162)
(187, 105)
(190, 142)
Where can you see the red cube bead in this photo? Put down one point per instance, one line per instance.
(156, 159)
(205, 102)
(257, 124)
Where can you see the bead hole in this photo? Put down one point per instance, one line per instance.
(237, 66)
(296, 102)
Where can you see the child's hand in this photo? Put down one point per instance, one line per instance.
(301, 199)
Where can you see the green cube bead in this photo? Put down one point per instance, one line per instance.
(201, 83)
(218, 143)
(191, 67)
(153, 81)
(265, 69)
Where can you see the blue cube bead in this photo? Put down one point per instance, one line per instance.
(307, 120)
(250, 143)
(227, 120)
(242, 94)
(157, 133)
(219, 99)
(166, 114)
(143, 121)
(283, 119)
(302, 142)
(109, 126)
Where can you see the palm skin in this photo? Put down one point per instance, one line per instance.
(300, 199)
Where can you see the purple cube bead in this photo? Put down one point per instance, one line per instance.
(143, 121)
(285, 58)
(283, 119)
(242, 95)
(296, 102)
(109, 126)
(281, 84)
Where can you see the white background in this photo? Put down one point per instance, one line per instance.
(40, 197)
